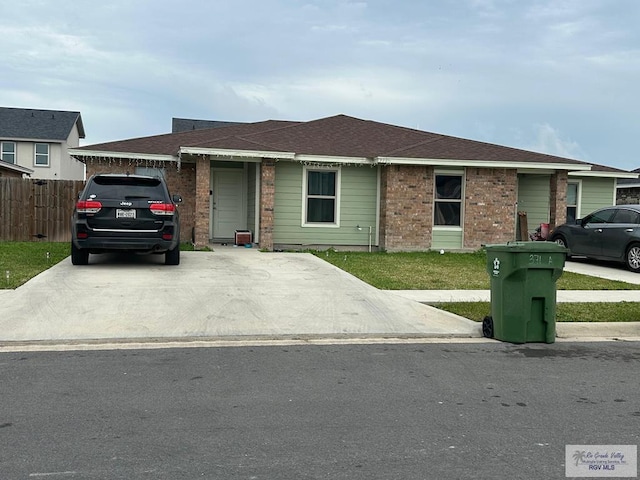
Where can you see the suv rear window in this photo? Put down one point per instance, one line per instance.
(126, 187)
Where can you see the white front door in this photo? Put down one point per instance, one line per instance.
(228, 209)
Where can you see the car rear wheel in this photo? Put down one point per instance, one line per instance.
(560, 240)
(79, 256)
(172, 257)
(633, 258)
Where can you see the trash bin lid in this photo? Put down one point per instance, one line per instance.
(527, 247)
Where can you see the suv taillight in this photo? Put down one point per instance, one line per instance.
(162, 208)
(88, 206)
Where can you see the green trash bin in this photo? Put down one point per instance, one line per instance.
(523, 291)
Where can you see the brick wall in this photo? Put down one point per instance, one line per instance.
(489, 208)
(267, 202)
(406, 207)
(558, 199)
(179, 182)
(628, 196)
(202, 206)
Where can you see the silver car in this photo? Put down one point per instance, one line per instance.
(611, 233)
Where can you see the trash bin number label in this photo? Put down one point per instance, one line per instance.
(537, 259)
(496, 267)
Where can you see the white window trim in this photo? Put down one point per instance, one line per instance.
(36, 154)
(14, 153)
(578, 197)
(338, 172)
(451, 228)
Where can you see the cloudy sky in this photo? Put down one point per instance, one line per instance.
(556, 76)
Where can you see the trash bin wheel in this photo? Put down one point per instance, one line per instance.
(487, 327)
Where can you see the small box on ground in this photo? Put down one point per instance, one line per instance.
(243, 237)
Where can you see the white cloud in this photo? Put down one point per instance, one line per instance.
(468, 68)
(549, 140)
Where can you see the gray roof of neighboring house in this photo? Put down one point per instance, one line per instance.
(187, 124)
(29, 123)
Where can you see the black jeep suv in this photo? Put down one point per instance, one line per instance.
(125, 213)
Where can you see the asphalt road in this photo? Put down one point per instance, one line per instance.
(412, 411)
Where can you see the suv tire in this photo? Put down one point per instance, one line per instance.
(172, 257)
(79, 256)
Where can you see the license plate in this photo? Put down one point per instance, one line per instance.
(120, 213)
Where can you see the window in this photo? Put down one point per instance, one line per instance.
(42, 155)
(627, 217)
(151, 171)
(601, 216)
(8, 153)
(448, 200)
(321, 197)
(572, 202)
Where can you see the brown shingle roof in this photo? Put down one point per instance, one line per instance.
(339, 135)
(170, 143)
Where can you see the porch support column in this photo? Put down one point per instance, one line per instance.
(203, 174)
(406, 207)
(558, 199)
(267, 202)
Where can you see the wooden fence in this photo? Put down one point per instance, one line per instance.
(37, 209)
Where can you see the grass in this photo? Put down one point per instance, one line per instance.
(21, 261)
(451, 271)
(565, 312)
(467, 271)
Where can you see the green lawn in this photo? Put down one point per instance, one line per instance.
(21, 261)
(467, 271)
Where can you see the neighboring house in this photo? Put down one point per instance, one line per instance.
(628, 190)
(348, 183)
(9, 170)
(39, 141)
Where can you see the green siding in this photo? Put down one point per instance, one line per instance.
(358, 201)
(446, 239)
(596, 193)
(533, 198)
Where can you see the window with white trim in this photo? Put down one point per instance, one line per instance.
(321, 200)
(8, 152)
(41, 158)
(447, 203)
(572, 201)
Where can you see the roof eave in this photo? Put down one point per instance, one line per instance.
(34, 140)
(16, 168)
(223, 152)
(303, 158)
(446, 162)
(602, 174)
(89, 154)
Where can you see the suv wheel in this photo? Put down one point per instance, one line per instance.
(172, 257)
(79, 256)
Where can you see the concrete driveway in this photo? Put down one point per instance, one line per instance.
(231, 292)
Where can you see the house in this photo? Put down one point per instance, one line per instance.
(628, 190)
(39, 140)
(10, 170)
(348, 183)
